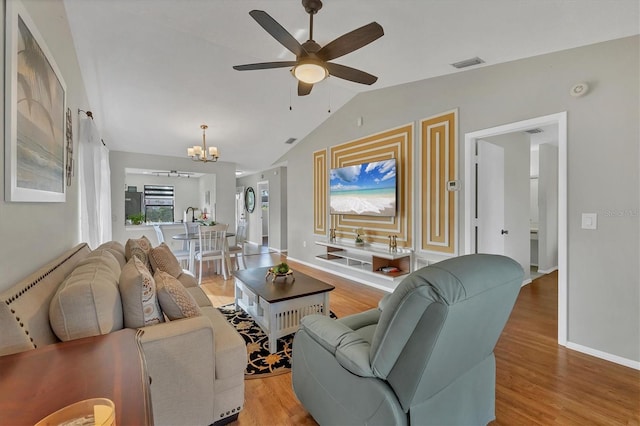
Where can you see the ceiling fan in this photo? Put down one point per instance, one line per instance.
(312, 60)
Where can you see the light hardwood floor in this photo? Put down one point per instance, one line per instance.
(538, 382)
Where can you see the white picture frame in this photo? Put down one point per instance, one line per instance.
(35, 106)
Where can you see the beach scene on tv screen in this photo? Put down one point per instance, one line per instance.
(364, 189)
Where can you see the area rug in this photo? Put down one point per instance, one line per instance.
(260, 363)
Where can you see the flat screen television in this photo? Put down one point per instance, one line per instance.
(364, 189)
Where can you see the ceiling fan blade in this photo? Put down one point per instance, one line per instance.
(278, 32)
(264, 65)
(304, 88)
(351, 41)
(351, 74)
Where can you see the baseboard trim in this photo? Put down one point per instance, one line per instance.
(604, 355)
(548, 271)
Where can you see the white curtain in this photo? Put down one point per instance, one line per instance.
(95, 186)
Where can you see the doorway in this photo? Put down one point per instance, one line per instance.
(263, 197)
(471, 197)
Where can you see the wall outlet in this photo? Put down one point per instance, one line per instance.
(589, 221)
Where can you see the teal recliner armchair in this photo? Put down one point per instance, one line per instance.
(424, 357)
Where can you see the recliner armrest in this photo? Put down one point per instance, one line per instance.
(383, 302)
(349, 348)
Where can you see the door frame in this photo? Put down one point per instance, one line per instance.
(470, 140)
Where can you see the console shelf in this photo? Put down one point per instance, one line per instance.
(367, 258)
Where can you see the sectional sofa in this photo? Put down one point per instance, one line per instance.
(194, 357)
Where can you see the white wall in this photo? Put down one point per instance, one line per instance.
(548, 208)
(603, 265)
(208, 183)
(35, 233)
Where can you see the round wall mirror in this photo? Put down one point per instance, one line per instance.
(250, 199)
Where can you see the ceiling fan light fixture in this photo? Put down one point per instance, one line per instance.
(310, 71)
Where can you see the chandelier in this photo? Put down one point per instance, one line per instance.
(200, 153)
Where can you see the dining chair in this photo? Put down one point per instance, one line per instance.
(163, 231)
(192, 228)
(159, 234)
(236, 251)
(213, 246)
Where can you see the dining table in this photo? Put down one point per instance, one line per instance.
(191, 238)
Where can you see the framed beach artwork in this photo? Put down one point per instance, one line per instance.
(35, 123)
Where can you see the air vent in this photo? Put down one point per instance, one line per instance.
(534, 131)
(468, 63)
(290, 141)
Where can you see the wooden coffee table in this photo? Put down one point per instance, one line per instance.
(278, 306)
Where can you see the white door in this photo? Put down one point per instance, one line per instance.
(490, 209)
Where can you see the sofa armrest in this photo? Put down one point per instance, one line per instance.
(180, 362)
(349, 348)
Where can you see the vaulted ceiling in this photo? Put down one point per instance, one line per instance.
(155, 70)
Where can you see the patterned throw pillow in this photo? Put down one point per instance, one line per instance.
(163, 259)
(139, 248)
(138, 292)
(175, 300)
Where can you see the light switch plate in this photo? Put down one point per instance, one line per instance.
(589, 221)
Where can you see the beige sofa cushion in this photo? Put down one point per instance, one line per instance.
(116, 249)
(139, 248)
(138, 292)
(163, 259)
(107, 257)
(175, 300)
(87, 303)
(187, 279)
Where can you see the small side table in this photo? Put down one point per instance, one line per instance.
(36, 383)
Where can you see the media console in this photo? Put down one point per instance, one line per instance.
(368, 258)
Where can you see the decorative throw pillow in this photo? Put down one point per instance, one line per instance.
(139, 248)
(163, 259)
(138, 292)
(175, 300)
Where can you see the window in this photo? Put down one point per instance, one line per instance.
(158, 203)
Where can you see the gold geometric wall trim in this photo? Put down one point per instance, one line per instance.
(394, 143)
(438, 161)
(320, 182)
